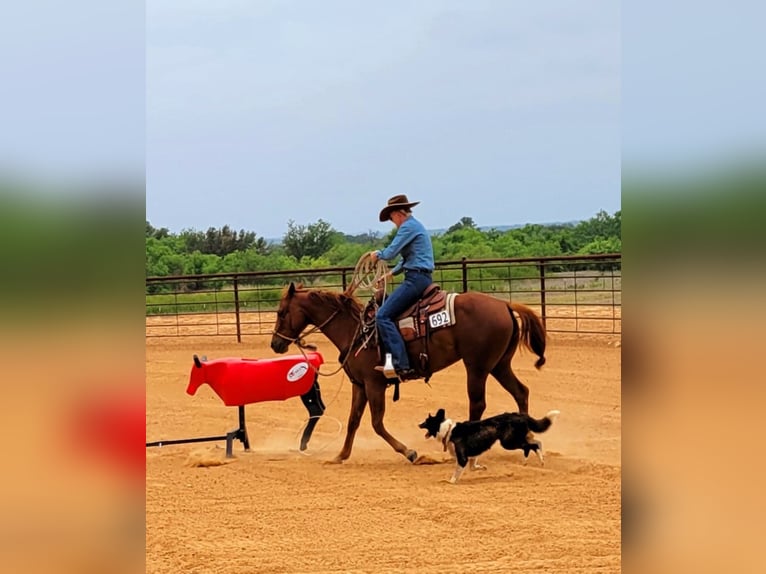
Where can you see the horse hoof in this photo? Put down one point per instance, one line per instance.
(411, 455)
(336, 460)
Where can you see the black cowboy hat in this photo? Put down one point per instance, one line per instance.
(396, 202)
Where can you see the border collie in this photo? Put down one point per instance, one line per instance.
(467, 440)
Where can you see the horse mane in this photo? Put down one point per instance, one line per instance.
(333, 299)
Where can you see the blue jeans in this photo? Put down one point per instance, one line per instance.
(395, 304)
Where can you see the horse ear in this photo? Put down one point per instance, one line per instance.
(291, 289)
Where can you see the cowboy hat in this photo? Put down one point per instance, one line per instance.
(396, 202)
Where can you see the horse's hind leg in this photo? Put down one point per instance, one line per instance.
(377, 398)
(511, 383)
(477, 393)
(358, 404)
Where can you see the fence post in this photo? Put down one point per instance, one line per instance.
(465, 276)
(236, 309)
(343, 280)
(541, 265)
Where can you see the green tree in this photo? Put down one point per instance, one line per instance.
(602, 226)
(508, 245)
(346, 254)
(465, 222)
(369, 238)
(465, 241)
(222, 241)
(311, 240)
(160, 233)
(319, 245)
(162, 259)
(602, 245)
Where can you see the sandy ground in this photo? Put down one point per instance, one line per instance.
(277, 510)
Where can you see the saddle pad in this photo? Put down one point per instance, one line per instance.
(443, 317)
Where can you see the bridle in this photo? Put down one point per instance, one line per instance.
(299, 340)
(302, 345)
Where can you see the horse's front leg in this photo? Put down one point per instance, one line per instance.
(376, 393)
(358, 404)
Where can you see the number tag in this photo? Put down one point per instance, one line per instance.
(440, 319)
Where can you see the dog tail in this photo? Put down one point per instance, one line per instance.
(533, 335)
(543, 424)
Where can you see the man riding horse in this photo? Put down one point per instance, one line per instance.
(413, 243)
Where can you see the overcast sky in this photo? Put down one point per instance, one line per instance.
(261, 112)
(250, 113)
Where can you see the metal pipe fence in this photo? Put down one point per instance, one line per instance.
(573, 294)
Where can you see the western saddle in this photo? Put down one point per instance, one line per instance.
(413, 322)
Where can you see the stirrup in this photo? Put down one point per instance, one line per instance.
(388, 368)
(408, 375)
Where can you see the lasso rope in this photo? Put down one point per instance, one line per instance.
(327, 444)
(367, 274)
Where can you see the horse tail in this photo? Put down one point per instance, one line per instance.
(533, 335)
(543, 424)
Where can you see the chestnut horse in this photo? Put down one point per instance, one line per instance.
(485, 336)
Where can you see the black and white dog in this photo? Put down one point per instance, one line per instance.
(467, 440)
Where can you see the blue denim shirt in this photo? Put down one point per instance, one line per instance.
(414, 244)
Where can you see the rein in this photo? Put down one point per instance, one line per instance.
(302, 345)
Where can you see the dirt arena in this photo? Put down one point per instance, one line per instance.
(275, 509)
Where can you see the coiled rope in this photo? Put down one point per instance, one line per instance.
(368, 274)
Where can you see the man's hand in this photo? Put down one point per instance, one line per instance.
(374, 256)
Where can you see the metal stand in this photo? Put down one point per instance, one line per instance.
(239, 434)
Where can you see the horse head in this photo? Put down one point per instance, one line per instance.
(291, 319)
(336, 315)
